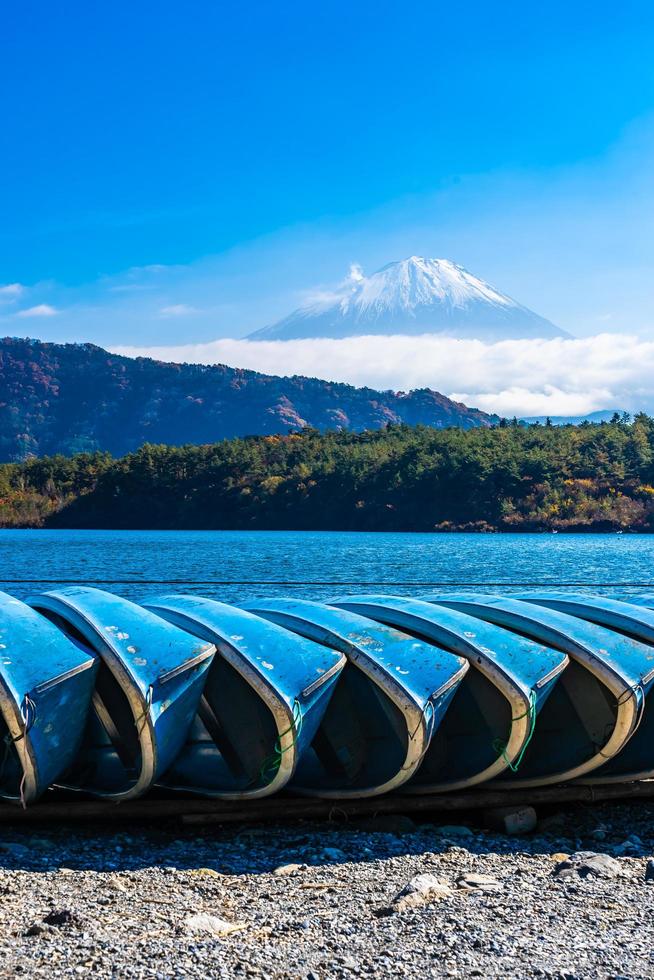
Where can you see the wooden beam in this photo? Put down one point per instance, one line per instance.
(434, 803)
(285, 807)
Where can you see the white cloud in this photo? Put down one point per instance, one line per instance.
(43, 309)
(178, 309)
(325, 296)
(11, 291)
(516, 377)
(548, 400)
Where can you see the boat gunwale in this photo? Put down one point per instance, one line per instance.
(219, 639)
(66, 675)
(170, 675)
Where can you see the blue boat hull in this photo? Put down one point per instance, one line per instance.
(46, 684)
(264, 700)
(146, 695)
(389, 700)
(636, 759)
(490, 723)
(593, 711)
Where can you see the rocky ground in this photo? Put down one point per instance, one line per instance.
(379, 898)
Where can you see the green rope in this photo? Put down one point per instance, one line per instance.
(270, 766)
(500, 746)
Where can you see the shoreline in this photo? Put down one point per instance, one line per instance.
(462, 529)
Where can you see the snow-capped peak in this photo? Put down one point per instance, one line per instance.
(415, 282)
(415, 295)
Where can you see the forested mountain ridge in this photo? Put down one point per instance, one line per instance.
(69, 398)
(509, 477)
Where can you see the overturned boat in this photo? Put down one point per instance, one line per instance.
(493, 715)
(636, 760)
(46, 683)
(389, 700)
(263, 702)
(147, 689)
(595, 708)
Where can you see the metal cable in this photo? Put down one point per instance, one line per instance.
(357, 582)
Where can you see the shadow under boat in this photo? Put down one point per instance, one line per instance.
(389, 700)
(636, 759)
(264, 699)
(595, 707)
(147, 689)
(492, 717)
(46, 683)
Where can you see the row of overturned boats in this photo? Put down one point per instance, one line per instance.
(356, 697)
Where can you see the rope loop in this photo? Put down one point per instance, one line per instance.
(270, 766)
(624, 697)
(27, 706)
(427, 707)
(140, 720)
(500, 746)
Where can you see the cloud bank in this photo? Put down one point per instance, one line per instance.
(516, 377)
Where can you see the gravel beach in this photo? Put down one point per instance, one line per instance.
(381, 897)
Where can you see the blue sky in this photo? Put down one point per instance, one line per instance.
(181, 172)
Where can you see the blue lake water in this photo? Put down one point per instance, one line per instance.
(238, 565)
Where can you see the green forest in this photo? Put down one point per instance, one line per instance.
(508, 477)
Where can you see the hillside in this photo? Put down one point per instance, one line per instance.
(68, 398)
(509, 477)
(414, 296)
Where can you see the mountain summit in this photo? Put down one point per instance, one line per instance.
(414, 296)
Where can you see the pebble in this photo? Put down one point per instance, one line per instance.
(420, 890)
(212, 925)
(586, 863)
(332, 854)
(454, 830)
(632, 845)
(17, 850)
(63, 918)
(512, 819)
(288, 869)
(478, 882)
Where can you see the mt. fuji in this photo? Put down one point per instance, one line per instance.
(414, 296)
